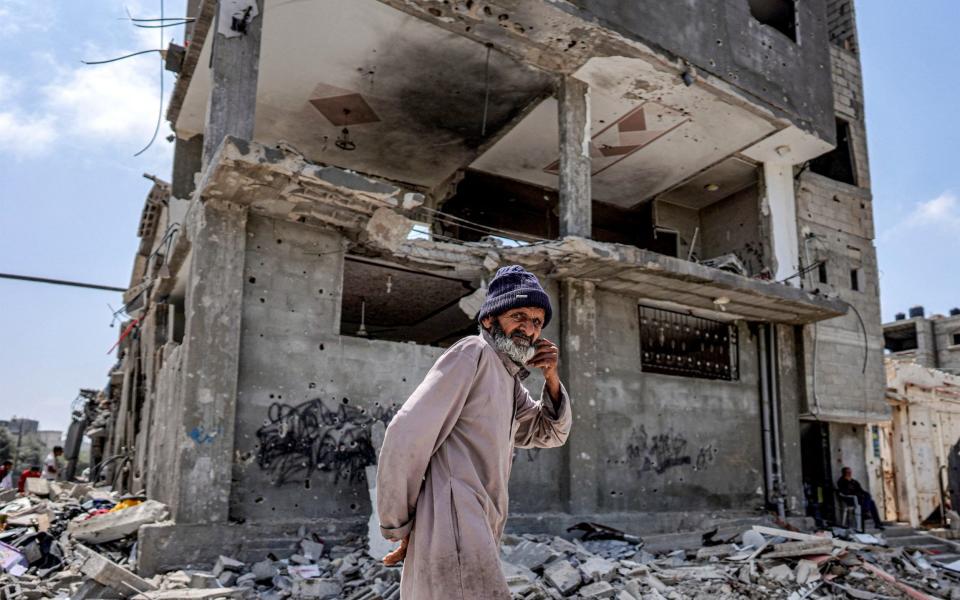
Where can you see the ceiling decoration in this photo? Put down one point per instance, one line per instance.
(636, 129)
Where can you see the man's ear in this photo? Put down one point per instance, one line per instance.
(486, 321)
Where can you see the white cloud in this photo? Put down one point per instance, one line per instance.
(944, 210)
(113, 102)
(25, 135)
(25, 16)
(940, 214)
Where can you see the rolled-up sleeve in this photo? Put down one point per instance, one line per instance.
(416, 432)
(543, 423)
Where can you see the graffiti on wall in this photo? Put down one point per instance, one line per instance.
(296, 441)
(661, 452)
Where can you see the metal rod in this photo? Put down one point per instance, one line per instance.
(91, 286)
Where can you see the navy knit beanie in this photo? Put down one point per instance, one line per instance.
(514, 287)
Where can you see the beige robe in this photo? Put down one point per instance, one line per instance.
(445, 465)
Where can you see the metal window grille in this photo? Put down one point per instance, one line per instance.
(673, 343)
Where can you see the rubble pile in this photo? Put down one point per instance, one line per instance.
(760, 562)
(76, 541)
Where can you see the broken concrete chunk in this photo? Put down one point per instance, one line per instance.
(37, 486)
(321, 589)
(388, 229)
(108, 573)
(600, 589)
(781, 573)
(225, 563)
(113, 526)
(531, 555)
(264, 570)
(563, 576)
(311, 549)
(208, 594)
(596, 568)
(807, 571)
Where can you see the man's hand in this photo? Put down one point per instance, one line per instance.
(397, 555)
(546, 359)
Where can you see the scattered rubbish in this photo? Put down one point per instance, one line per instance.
(78, 542)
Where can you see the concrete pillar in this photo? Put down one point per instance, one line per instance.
(210, 367)
(578, 358)
(926, 355)
(234, 70)
(187, 162)
(782, 204)
(574, 115)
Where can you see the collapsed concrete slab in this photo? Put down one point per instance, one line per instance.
(108, 573)
(116, 525)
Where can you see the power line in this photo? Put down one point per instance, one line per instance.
(91, 286)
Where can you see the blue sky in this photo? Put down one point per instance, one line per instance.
(72, 191)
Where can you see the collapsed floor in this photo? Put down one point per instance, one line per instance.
(63, 540)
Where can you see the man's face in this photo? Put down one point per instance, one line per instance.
(847, 474)
(516, 331)
(58, 452)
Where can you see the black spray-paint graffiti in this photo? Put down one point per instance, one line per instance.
(296, 441)
(663, 451)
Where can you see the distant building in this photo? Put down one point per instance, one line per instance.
(932, 342)
(21, 426)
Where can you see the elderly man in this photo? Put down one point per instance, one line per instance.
(446, 457)
(849, 486)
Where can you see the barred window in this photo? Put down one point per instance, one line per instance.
(673, 343)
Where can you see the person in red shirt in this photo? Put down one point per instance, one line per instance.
(33, 471)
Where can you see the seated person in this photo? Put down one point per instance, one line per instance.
(849, 486)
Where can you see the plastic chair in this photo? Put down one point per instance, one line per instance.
(850, 506)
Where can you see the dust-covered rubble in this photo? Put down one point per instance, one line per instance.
(79, 542)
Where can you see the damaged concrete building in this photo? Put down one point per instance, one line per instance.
(932, 342)
(690, 180)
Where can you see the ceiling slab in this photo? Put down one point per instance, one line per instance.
(421, 101)
(713, 184)
(650, 132)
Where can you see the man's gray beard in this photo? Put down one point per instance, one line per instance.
(515, 351)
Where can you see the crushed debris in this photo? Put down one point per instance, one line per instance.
(79, 542)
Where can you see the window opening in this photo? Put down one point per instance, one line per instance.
(838, 164)
(901, 339)
(396, 303)
(822, 271)
(673, 343)
(855, 280)
(956, 339)
(778, 14)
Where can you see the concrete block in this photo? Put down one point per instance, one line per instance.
(321, 589)
(208, 594)
(225, 563)
(563, 576)
(264, 570)
(113, 526)
(311, 549)
(600, 589)
(106, 572)
(203, 581)
(37, 486)
(596, 568)
(531, 555)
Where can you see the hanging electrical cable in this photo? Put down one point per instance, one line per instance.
(156, 128)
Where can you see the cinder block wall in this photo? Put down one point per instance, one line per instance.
(840, 216)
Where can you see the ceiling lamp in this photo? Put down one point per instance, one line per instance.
(343, 140)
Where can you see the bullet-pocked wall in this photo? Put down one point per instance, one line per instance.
(307, 396)
(775, 50)
(667, 442)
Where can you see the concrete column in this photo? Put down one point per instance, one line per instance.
(234, 70)
(187, 162)
(211, 357)
(574, 111)
(782, 204)
(926, 344)
(578, 334)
